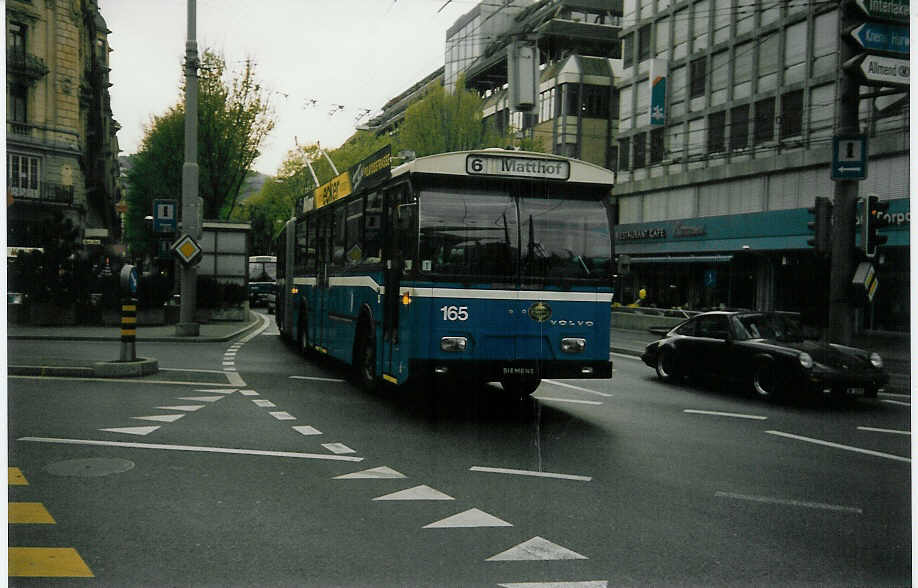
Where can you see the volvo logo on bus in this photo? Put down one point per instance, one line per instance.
(540, 312)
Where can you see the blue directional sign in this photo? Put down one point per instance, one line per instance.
(874, 36)
(849, 157)
(164, 216)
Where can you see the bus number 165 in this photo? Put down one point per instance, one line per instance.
(455, 313)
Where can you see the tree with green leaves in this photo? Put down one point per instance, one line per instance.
(233, 120)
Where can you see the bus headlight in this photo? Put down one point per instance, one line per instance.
(875, 360)
(453, 343)
(573, 345)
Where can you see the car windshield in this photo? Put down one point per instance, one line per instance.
(768, 326)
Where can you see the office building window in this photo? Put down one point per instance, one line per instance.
(595, 101)
(16, 39)
(739, 127)
(699, 75)
(628, 50)
(791, 114)
(571, 99)
(764, 120)
(657, 149)
(624, 149)
(644, 43)
(640, 150)
(716, 132)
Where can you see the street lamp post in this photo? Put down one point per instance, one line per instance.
(191, 203)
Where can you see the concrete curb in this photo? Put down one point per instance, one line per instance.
(143, 366)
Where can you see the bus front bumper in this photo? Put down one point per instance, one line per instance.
(494, 371)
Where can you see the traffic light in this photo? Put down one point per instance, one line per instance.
(821, 225)
(875, 218)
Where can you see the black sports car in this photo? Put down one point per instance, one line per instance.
(767, 352)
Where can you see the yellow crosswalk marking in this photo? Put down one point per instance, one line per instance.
(15, 478)
(47, 562)
(24, 513)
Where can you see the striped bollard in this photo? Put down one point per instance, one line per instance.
(128, 329)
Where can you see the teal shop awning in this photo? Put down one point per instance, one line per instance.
(683, 259)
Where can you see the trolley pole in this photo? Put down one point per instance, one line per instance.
(191, 203)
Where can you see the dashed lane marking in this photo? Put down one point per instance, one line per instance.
(570, 400)
(529, 473)
(788, 502)
(339, 448)
(891, 431)
(15, 477)
(219, 391)
(467, 519)
(726, 414)
(190, 448)
(184, 407)
(317, 379)
(840, 446)
(163, 418)
(248, 392)
(536, 548)
(47, 562)
(263, 403)
(422, 492)
(586, 584)
(572, 387)
(29, 513)
(132, 430)
(307, 430)
(282, 416)
(201, 398)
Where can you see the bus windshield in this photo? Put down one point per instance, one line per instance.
(492, 235)
(262, 271)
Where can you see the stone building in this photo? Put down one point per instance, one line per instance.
(62, 150)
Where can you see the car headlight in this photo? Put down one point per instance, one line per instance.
(806, 360)
(875, 360)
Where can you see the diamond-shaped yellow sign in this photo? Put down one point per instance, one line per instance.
(187, 250)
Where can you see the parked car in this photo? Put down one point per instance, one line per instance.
(765, 351)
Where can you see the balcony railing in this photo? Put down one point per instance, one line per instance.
(25, 64)
(44, 192)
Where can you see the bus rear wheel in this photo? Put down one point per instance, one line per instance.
(365, 360)
(520, 386)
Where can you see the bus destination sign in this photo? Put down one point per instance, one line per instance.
(518, 167)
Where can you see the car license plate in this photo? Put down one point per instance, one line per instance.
(855, 391)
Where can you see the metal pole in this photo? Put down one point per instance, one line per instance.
(191, 208)
(841, 310)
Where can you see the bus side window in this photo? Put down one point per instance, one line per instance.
(311, 245)
(299, 249)
(372, 240)
(354, 243)
(338, 238)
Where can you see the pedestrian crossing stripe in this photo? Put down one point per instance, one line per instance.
(29, 513)
(47, 562)
(15, 477)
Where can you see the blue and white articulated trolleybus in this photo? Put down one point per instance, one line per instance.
(488, 266)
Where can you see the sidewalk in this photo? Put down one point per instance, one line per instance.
(894, 348)
(20, 364)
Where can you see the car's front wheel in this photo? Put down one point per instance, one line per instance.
(764, 380)
(666, 365)
(365, 360)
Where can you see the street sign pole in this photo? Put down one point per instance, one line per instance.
(191, 225)
(841, 315)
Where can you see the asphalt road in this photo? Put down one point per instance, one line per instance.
(286, 474)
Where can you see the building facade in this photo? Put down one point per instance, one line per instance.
(718, 167)
(62, 150)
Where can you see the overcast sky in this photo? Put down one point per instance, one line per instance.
(353, 53)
